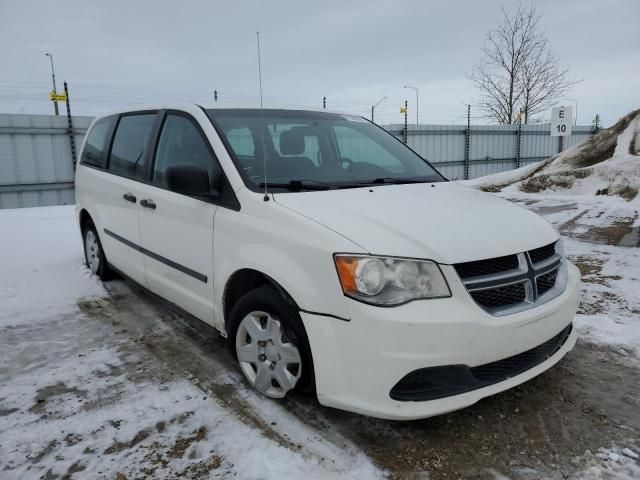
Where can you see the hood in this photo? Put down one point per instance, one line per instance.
(446, 222)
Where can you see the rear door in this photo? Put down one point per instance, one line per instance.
(177, 230)
(120, 192)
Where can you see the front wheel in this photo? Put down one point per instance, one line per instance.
(93, 253)
(270, 343)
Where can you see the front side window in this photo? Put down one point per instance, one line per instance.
(96, 144)
(319, 149)
(127, 156)
(182, 143)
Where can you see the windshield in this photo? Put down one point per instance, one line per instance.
(314, 150)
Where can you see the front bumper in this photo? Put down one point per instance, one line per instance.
(357, 363)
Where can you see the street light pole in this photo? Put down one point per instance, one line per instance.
(417, 103)
(575, 122)
(374, 107)
(53, 77)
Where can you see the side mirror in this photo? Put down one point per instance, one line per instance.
(189, 179)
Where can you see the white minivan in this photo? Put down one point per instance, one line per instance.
(333, 257)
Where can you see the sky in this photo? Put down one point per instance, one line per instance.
(117, 53)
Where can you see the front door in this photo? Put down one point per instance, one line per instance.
(177, 230)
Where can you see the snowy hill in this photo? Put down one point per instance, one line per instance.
(606, 164)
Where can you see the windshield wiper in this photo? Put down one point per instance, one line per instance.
(396, 181)
(297, 185)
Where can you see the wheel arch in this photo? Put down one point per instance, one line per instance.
(83, 217)
(243, 281)
(247, 280)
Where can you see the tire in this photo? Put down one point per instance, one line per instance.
(94, 256)
(265, 312)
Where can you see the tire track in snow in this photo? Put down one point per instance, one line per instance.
(195, 351)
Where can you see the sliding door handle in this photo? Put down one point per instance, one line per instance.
(146, 203)
(129, 197)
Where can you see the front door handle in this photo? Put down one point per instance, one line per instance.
(129, 197)
(146, 203)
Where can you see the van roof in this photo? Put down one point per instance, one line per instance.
(193, 108)
(272, 112)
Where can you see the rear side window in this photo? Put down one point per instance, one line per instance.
(94, 152)
(127, 156)
(182, 143)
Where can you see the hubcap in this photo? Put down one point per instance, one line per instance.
(270, 362)
(93, 251)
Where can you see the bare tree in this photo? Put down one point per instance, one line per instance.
(543, 82)
(519, 71)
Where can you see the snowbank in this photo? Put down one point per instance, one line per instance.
(608, 163)
(497, 181)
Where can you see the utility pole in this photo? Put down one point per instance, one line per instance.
(405, 110)
(324, 102)
(417, 103)
(467, 146)
(373, 107)
(72, 137)
(53, 77)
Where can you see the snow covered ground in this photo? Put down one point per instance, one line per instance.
(103, 382)
(590, 192)
(610, 297)
(78, 396)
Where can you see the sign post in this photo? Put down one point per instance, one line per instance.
(405, 110)
(72, 137)
(561, 121)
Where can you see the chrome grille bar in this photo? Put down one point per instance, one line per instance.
(527, 273)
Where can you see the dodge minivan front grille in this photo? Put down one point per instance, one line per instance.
(539, 254)
(546, 281)
(511, 283)
(486, 267)
(501, 296)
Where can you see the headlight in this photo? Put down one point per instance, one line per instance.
(389, 281)
(560, 247)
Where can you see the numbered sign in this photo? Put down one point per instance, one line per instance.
(561, 121)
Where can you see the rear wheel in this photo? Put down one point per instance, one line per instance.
(270, 343)
(93, 253)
